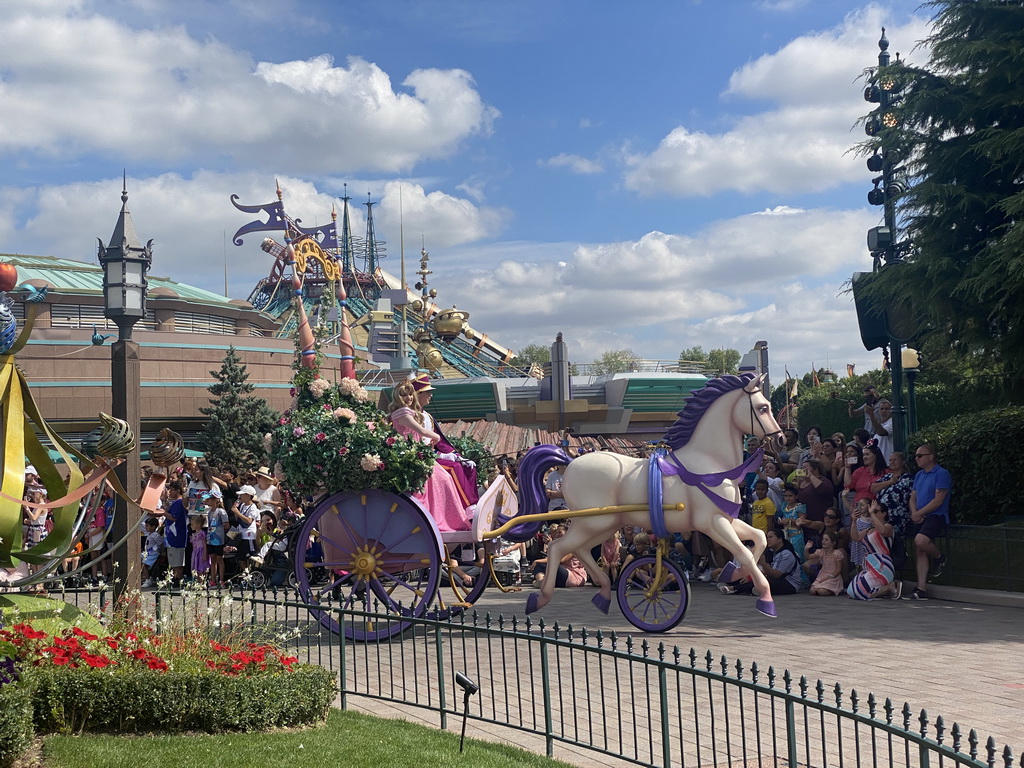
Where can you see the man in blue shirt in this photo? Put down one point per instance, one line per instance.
(929, 509)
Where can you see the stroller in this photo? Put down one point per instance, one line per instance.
(273, 565)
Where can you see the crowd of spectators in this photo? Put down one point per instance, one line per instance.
(840, 517)
(211, 525)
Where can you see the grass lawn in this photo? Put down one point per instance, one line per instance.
(349, 738)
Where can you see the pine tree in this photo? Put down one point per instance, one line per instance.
(959, 127)
(237, 419)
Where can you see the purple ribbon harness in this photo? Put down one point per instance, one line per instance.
(665, 463)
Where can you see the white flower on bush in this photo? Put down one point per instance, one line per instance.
(344, 413)
(268, 441)
(371, 462)
(318, 387)
(352, 388)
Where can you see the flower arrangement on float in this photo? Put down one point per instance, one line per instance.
(334, 438)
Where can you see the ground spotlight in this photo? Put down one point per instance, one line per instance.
(468, 688)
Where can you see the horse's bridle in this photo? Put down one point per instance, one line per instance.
(756, 418)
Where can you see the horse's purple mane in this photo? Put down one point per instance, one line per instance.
(698, 402)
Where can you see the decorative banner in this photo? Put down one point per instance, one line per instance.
(326, 235)
(276, 219)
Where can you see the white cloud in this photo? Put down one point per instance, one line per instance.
(800, 146)
(75, 83)
(768, 275)
(575, 163)
(438, 219)
(782, 5)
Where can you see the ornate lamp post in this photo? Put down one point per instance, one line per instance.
(125, 263)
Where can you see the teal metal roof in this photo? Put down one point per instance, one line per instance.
(69, 276)
(656, 395)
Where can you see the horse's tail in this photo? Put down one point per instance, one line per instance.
(532, 498)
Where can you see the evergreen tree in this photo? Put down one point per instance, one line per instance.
(237, 419)
(959, 128)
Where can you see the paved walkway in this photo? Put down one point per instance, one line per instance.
(962, 661)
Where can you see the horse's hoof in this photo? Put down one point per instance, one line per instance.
(601, 602)
(729, 572)
(767, 607)
(531, 602)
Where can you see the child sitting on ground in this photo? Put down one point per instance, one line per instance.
(611, 556)
(831, 579)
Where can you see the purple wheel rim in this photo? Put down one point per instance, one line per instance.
(666, 608)
(471, 596)
(381, 555)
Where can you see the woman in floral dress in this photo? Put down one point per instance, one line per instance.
(893, 489)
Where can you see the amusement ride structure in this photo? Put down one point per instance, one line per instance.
(400, 330)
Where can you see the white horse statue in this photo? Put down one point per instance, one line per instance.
(701, 470)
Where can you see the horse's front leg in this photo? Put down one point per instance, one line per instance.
(744, 532)
(722, 531)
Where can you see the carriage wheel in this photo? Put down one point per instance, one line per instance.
(649, 606)
(454, 602)
(381, 553)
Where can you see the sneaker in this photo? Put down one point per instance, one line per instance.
(148, 583)
(706, 576)
(918, 594)
(727, 589)
(937, 565)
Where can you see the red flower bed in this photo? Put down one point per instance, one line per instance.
(78, 648)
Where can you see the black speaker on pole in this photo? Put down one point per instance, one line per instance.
(870, 316)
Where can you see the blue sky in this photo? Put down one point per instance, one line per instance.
(651, 175)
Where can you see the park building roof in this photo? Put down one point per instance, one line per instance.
(77, 277)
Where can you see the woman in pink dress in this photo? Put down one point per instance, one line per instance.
(439, 496)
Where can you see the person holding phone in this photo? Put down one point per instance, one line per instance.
(871, 402)
(813, 450)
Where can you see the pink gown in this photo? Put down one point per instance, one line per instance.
(830, 576)
(440, 496)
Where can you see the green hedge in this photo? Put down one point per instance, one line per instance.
(15, 723)
(826, 405)
(983, 452)
(140, 700)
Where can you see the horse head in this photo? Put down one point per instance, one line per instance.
(755, 415)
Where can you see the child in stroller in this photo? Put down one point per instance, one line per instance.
(272, 565)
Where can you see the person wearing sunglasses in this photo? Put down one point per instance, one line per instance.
(929, 510)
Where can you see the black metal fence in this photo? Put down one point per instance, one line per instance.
(985, 557)
(640, 702)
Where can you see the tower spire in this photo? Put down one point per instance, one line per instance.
(124, 230)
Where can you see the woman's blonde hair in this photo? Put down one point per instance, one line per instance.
(402, 390)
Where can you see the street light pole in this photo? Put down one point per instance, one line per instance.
(882, 241)
(125, 263)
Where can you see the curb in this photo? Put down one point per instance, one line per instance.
(966, 595)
